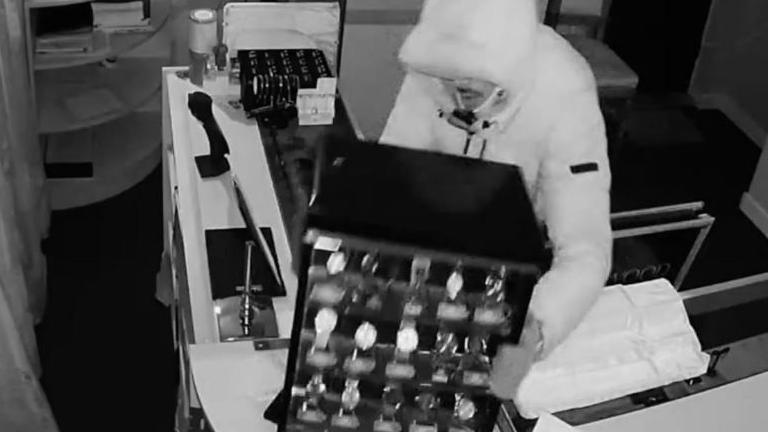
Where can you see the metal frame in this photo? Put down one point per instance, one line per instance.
(703, 222)
(727, 294)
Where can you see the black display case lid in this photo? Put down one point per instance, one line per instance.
(426, 199)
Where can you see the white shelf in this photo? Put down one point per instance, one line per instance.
(123, 152)
(110, 44)
(85, 96)
(32, 4)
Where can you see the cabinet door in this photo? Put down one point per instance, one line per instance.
(182, 318)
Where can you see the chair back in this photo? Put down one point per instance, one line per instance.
(576, 16)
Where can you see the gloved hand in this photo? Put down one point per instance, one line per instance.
(512, 362)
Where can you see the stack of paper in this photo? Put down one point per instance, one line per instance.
(120, 17)
(76, 41)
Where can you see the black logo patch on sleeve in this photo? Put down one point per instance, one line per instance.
(584, 168)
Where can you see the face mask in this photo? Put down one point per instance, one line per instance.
(473, 120)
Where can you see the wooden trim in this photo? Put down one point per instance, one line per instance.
(397, 17)
(552, 13)
(692, 206)
(715, 297)
(702, 222)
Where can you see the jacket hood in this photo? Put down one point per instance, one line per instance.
(492, 40)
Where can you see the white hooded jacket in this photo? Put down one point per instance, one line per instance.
(552, 129)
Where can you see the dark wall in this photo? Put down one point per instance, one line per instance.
(659, 39)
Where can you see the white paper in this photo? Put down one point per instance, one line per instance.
(236, 384)
(550, 423)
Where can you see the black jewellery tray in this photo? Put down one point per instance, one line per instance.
(271, 78)
(403, 205)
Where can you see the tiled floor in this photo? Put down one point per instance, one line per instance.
(106, 343)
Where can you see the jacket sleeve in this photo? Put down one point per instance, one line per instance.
(409, 121)
(574, 193)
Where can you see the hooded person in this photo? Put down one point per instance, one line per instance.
(485, 79)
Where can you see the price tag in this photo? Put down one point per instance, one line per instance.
(415, 427)
(452, 312)
(346, 422)
(472, 378)
(386, 426)
(317, 106)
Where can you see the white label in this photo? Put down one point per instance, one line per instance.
(400, 371)
(346, 422)
(317, 106)
(386, 426)
(440, 377)
(452, 312)
(422, 428)
(327, 293)
(327, 244)
(479, 379)
(360, 366)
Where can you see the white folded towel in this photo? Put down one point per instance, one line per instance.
(636, 337)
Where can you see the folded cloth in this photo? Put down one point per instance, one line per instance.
(636, 337)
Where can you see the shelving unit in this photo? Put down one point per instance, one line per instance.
(105, 44)
(122, 152)
(99, 109)
(34, 4)
(85, 96)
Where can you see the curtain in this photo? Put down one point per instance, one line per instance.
(23, 224)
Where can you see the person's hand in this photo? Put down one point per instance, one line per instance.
(512, 362)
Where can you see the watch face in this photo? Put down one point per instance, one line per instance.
(325, 320)
(454, 284)
(351, 396)
(407, 340)
(336, 262)
(365, 336)
(327, 293)
(369, 265)
(465, 409)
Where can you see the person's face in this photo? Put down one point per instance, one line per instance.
(469, 93)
